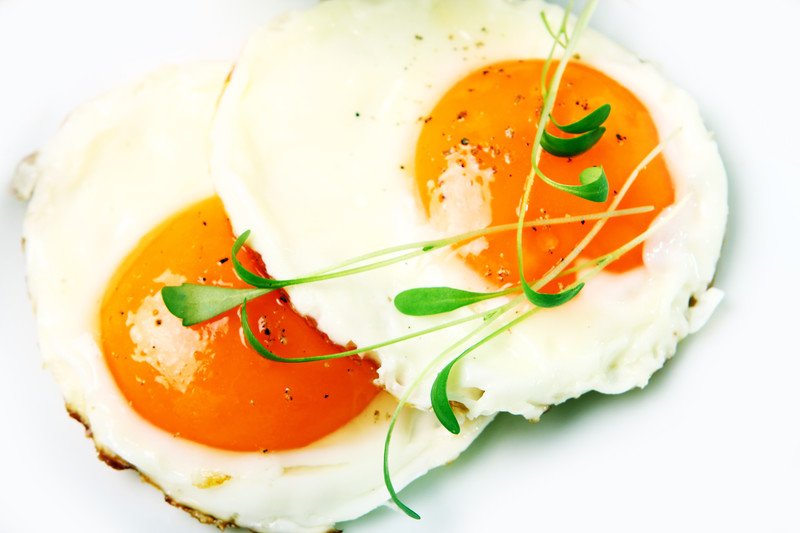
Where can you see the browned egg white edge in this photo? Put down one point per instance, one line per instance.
(118, 463)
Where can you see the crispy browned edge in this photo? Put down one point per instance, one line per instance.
(118, 463)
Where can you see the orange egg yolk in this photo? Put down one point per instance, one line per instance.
(481, 133)
(202, 382)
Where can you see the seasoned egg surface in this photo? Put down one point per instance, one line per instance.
(121, 166)
(338, 160)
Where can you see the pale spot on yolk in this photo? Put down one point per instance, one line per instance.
(160, 340)
(203, 383)
(487, 121)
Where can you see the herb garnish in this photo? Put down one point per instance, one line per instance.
(595, 188)
(197, 303)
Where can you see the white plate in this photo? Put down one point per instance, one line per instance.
(712, 444)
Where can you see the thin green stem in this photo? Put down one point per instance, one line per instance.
(599, 265)
(253, 341)
(554, 272)
(556, 36)
(492, 316)
(422, 247)
(496, 332)
(549, 102)
(611, 257)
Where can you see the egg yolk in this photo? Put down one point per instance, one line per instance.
(474, 155)
(202, 382)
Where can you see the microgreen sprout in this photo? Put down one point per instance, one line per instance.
(262, 350)
(593, 187)
(440, 401)
(439, 397)
(197, 303)
(549, 95)
(194, 303)
(593, 184)
(439, 389)
(488, 319)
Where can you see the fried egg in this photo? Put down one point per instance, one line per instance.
(122, 205)
(361, 125)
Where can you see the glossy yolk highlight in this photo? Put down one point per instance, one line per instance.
(203, 383)
(473, 157)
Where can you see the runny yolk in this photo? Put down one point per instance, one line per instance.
(203, 383)
(474, 154)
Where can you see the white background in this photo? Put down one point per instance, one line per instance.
(712, 444)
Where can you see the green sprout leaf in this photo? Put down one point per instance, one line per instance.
(425, 301)
(181, 299)
(546, 300)
(594, 184)
(197, 303)
(440, 401)
(590, 122)
(593, 187)
(570, 147)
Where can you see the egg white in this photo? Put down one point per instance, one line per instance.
(320, 167)
(118, 167)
